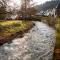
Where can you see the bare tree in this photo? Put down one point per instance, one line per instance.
(3, 9)
(24, 6)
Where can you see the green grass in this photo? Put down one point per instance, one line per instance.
(10, 27)
(57, 25)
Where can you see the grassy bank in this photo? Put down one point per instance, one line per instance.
(55, 23)
(57, 46)
(57, 26)
(10, 28)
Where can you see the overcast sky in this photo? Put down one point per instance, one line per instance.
(17, 3)
(40, 1)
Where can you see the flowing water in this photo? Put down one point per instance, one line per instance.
(37, 44)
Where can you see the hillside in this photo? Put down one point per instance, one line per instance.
(47, 5)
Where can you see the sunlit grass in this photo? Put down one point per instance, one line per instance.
(4, 23)
(10, 27)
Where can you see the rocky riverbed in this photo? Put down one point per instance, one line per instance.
(37, 44)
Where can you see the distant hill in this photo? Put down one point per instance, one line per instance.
(48, 5)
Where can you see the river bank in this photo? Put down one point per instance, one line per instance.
(37, 44)
(12, 29)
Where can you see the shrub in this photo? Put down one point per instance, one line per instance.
(1, 27)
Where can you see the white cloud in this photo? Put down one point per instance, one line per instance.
(40, 1)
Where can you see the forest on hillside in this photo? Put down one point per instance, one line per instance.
(47, 5)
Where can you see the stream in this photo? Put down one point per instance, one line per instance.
(37, 44)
